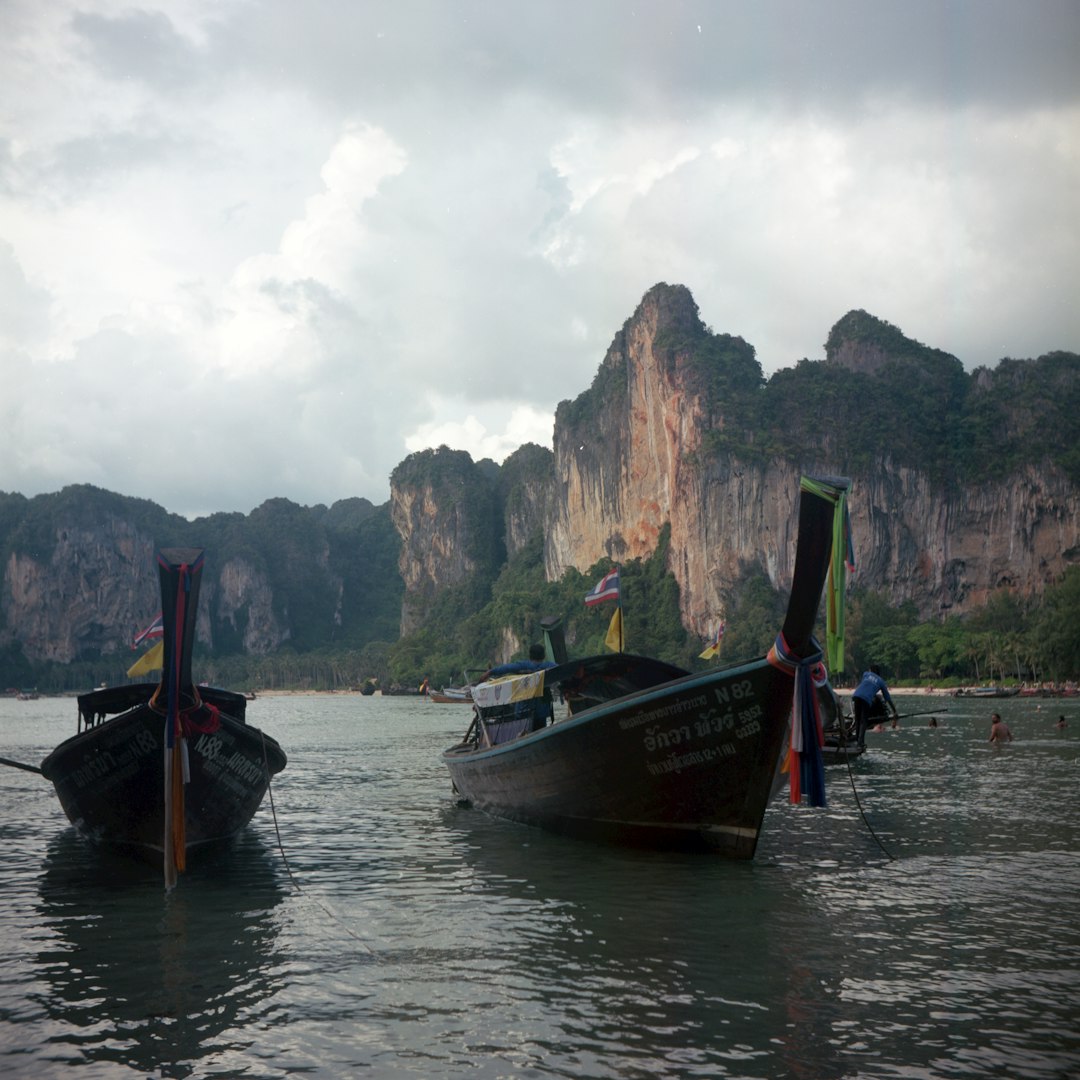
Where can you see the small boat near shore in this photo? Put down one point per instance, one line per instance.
(648, 753)
(452, 695)
(164, 768)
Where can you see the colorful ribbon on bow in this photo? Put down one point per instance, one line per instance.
(805, 765)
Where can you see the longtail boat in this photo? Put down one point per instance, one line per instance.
(451, 695)
(164, 768)
(649, 754)
(840, 745)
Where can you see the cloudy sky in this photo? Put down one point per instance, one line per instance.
(258, 248)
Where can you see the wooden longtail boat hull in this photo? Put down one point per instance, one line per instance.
(688, 766)
(138, 742)
(669, 760)
(111, 784)
(837, 753)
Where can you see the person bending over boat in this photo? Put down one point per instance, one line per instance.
(871, 687)
(999, 730)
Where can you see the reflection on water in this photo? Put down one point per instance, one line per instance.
(138, 977)
(644, 957)
(427, 939)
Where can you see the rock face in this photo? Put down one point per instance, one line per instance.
(100, 588)
(525, 492)
(79, 578)
(445, 509)
(973, 489)
(619, 461)
(628, 463)
(663, 437)
(949, 551)
(97, 591)
(242, 598)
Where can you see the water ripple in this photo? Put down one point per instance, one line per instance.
(925, 925)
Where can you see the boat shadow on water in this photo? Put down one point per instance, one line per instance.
(152, 981)
(570, 918)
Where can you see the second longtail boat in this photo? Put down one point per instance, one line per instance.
(649, 754)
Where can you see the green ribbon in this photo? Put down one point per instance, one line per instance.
(836, 583)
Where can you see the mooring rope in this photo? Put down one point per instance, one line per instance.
(288, 869)
(854, 791)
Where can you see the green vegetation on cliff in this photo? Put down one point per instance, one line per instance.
(918, 407)
(453, 640)
(1008, 641)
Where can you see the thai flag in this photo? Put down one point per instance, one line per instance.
(155, 630)
(607, 589)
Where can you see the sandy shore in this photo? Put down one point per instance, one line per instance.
(846, 691)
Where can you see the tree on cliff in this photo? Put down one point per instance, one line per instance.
(1056, 632)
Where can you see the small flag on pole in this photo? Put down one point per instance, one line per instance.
(614, 639)
(151, 660)
(713, 648)
(606, 589)
(155, 630)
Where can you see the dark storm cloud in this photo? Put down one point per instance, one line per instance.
(608, 56)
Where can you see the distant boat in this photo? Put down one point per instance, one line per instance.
(649, 755)
(164, 768)
(988, 691)
(841, 744)
(452, 695)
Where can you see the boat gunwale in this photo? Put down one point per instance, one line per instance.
(468, 751)
(91, 734)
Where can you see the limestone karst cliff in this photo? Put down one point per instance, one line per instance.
(79, 578)
(681, 428)
(445, 509)
(633, 453)
(962, 484)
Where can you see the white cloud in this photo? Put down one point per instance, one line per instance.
(497, 436)
(328, 236)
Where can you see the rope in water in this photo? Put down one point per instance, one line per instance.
(288, 869)
(862, 813)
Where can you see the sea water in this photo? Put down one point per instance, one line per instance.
(926, 924)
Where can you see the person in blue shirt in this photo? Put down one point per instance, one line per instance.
(863, 699)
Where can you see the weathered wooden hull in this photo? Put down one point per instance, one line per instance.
(111, 784)
(687, 765)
